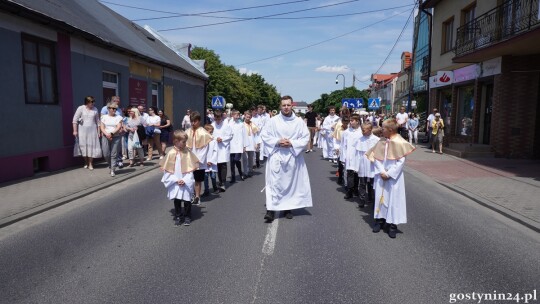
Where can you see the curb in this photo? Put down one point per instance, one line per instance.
(484, 202)
(69, 198)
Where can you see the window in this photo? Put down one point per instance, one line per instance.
(155, 95)
(39, 69)
(110, 86)
(447, 35)
(467, 17)
(446, 107)
(465, 110)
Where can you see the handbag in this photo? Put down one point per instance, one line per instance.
(76, 148)
(136, 141)
(150, 131)
(157, 130)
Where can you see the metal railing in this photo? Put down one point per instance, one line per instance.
(505, 21)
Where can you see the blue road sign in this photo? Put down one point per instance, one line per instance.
(218, 102)
(374, 103)
(355, 103)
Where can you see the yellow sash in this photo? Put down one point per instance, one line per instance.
(202, 138)
(188, 161)
(397, 148)
(251, 128)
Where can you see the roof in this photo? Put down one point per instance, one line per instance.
(300, 104)
(93, 20)
(406, 57)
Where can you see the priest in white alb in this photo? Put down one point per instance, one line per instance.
(285, 137)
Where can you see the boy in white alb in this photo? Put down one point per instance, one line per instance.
(211, 161)
(238, 144)
(366, 169)
(198, 140)
(340, 128)
(390, 198)
(252, 144)
(351, 155)
(223, 135)
(178, 166)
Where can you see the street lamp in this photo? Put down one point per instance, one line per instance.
(343, 80)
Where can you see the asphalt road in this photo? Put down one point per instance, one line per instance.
(120, 246)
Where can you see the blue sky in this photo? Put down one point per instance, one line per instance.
(304, 74)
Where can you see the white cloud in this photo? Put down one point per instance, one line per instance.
(333, 69)
(247, 72)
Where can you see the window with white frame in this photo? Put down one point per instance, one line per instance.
(155, 94)
(110, 86)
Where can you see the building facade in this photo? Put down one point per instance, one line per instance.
(485, 73)
(55, 53)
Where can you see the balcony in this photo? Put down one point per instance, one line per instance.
(488, 35)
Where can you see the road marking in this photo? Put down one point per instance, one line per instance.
(267, 250)
(270, 240)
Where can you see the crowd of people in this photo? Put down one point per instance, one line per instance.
(369, 150)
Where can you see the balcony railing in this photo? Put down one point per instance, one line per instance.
(505, 21)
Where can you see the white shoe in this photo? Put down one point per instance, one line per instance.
(85, 167)
(161, 157)
(148, 158)
(112, 174)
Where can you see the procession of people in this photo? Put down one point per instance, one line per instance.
(369, 151)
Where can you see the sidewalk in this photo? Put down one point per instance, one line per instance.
(27, 197)
(508, 186)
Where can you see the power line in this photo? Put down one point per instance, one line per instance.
(321, 42)
(277, 18)
(260, 17)
(397, 40)
(205, 13)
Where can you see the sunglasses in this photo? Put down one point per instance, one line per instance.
(111, 108)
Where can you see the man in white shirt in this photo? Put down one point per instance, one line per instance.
(401, 119)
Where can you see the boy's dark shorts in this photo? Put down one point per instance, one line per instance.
(199, 175)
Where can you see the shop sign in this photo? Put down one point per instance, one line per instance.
(467, 73)
(490, 67)
(443, 78)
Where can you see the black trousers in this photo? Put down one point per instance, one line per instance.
(257, 160)
(178, 208)
(340, 170)
(236, 159)
(222, 173)
(352, 180)
(367, 193)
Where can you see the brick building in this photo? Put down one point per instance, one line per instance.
(485, 74)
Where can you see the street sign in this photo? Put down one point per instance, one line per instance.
(218, 102)
(354, 103)
(374, 103)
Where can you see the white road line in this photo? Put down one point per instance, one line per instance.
(270, 240)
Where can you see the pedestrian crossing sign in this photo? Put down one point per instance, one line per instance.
(374, 103)
(218, 102)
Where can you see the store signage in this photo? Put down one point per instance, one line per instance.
(443, 78)
(490, 67)
(137, 92)
(467, 73)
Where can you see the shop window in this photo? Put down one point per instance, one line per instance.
(39, 68)
(110, 86)
(446, 107)
(155, 94)
(465, 110)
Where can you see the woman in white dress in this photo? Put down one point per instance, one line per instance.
(86, 130)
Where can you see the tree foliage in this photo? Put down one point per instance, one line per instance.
(243, 91)
(334, 99)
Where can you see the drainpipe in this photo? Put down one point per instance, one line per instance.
(430, 20)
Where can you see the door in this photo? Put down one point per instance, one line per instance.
(487, 113)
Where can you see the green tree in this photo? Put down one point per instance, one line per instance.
(334, 98)
(244, 91)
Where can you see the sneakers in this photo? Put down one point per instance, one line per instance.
(196, 201)
(376, 227)
(187, 221)
(222, 189)
(288, 214)
(112, 173)
(307, 151)
(349, 195)
(216, 191)
(269, 216)
(161, 157)
(205, 193)
(177, 221)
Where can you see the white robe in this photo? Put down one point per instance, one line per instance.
(212, 156)
(223, 131)
(365, 167)
(351, 155)
(287, 178)
(170, 180)
(327, 129)
(239, 140)
(394, 203)
(201, 155)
